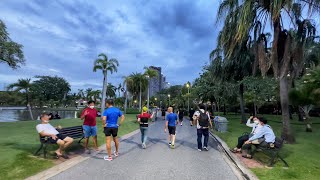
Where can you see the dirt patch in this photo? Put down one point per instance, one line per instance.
(250, 163)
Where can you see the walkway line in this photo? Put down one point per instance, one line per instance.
(235, 164)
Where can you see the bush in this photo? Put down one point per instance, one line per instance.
(133, 111)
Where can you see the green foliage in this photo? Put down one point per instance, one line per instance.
(10, 52)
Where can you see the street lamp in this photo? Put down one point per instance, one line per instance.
(148, 78)
(188, 86)
(169, 98)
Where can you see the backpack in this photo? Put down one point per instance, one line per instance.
(203, 119)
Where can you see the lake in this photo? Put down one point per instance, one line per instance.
(11, 115)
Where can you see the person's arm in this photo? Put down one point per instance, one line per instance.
(166, 125)
(249, 124)
(152, 115)
(84, 113)
(177, 120)
(122, 120)
(258, 135)
(210, 122)
(104, 121)
(195, 117)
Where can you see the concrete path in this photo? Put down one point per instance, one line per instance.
(158, 161)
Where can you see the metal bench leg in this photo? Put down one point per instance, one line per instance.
(39, 149)
(273, 159)
(285, 162)
(80, 140)
(45, 151)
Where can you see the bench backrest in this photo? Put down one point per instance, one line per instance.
(74, 132)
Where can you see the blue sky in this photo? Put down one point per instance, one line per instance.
(63, 37)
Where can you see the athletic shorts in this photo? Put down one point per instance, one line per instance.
(60, 136)
(111, 131)
(89, 131)
(172, 130)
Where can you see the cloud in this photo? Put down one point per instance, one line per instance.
(64, 37)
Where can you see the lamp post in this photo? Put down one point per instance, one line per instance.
(169, 99)
(188, 86)
(148, 78)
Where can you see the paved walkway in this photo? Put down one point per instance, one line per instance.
(157, 161)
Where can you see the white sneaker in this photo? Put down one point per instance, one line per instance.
(199, 150)
(107, 158)
(144, 146)
(115, 154)
(205, 148)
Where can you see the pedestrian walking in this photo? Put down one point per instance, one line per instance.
(110, 124)
(89, 116)
(191, 113)
(171, 122)
(143, 119)
(181, 114)
(203, 121)
(163, 114)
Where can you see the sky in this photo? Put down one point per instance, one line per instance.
(64, 37)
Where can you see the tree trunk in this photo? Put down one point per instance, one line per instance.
(255, 109)
(104, 91)
(286, 130)
(224, 109)
(241, 91)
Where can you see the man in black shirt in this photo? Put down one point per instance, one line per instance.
(191, 112)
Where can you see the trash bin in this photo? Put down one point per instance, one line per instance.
(220, 124)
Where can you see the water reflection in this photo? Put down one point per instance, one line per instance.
(9, 115)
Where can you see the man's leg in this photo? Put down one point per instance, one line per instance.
(205, 133)
(246, 149)
(94, 137)
(242, 140)
(86, 142)
(108, 145)
(68, 141)
(142, 134)
(145, 136)
(116, 143)
(61, 146)
(199, 138)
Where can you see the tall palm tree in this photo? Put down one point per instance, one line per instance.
(249, 13)
(105, 65)
(89, 94)
(111, 91)
(22, 85)
(119, 89)
(136, 84)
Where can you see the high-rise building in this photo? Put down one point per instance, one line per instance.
(155, 83)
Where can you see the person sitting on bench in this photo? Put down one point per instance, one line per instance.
(264, 138)
(47, 130)
(255, 129)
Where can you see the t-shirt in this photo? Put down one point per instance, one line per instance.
(90, 118)
(172, 119)
(197, 114)
(144, 115)
(181, 114)
(46, 128)
(112, 114)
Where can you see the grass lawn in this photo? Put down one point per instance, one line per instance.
(303, 156)
(19, 140)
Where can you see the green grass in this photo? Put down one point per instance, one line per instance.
(303, 156)
(19, 140)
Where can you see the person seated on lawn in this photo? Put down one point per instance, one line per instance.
(242, 139)
(264, 138)
(47, 130)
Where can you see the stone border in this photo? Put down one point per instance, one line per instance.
(46, 174)
(241, 171)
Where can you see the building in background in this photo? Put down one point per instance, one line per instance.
(155, 83)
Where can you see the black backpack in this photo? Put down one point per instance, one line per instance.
(203, 119)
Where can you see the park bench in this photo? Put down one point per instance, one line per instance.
(273, 153)
(74, 132)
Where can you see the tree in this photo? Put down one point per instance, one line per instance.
(247, 15)
(307, 94)
(105, 65)
(10, 52)
(89, 94)
(136, 84)
(149, 73)
(22, 85)
(111, 91)
(50, 88)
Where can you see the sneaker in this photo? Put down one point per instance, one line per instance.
(199, 150)
(169, 143)
(144, 145)
(115, 154)
(172, 146)
(205, 148)
(180, 124)
(107, 158)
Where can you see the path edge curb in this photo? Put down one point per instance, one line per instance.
(48, 173)
(246, 173)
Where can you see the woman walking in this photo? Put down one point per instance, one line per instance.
(143, 119)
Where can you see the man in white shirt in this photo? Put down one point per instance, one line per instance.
(47, 130)
(255, 129)
(203, 121)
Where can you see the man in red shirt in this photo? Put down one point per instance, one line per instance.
(89, 125)
(143, 119)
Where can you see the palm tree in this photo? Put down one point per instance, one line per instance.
(111, 91)
(119, 89)
(96, 95)
(104, 64)
(89, 94)
(149, 73)
(136, 84)
(22, 85)
(241, 19)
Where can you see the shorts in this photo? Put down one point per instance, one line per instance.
(60, 136)
(172, 130)
(89, 131)
(111, 131)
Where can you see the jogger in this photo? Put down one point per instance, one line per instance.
(171, 122)
(143, 119)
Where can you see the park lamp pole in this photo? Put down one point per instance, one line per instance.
(188, 86)
(169, 99)
(148, 78)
